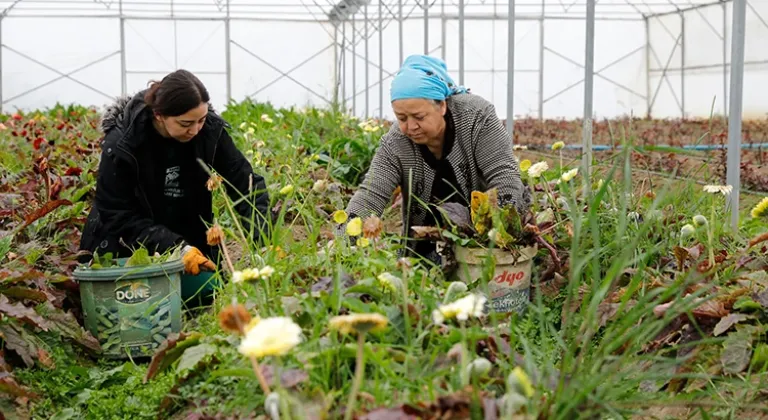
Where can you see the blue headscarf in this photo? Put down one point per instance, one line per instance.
(425, 77)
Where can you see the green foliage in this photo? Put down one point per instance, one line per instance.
(623, 315)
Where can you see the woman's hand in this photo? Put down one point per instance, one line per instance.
(195, 261)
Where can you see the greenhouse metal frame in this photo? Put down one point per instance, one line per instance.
(351, 24)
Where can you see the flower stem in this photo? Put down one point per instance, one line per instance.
(464, 356)
(359, 371)
(226, 256)
(260, 376)
(710, 234)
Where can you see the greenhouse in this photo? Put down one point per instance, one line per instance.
(217, 208)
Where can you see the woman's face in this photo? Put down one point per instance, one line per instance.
(185, 127)
(420, 119)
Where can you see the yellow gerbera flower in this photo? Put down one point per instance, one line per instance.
(340, 217)
(355, 227)
(761, 209)
(361, 323)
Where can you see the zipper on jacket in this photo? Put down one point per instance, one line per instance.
(138, 179)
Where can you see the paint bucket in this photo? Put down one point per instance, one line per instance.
(510, 287)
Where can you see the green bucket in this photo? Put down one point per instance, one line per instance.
(131, 310)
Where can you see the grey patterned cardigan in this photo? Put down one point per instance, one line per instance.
(481, 157)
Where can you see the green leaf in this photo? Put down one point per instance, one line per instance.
(356, 305)
(366, 289)
(194, 355)
(759, 361)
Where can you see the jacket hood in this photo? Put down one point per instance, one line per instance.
(125, 108)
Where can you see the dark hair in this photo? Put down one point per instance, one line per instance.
(176, 94)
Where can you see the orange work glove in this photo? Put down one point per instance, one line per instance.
(194, 261)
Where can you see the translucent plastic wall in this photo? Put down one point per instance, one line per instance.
(288, 52)
(557, 47)
(690, 57)
(278, 52)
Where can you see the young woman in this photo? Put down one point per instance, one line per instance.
(446, 144)
(151, 188)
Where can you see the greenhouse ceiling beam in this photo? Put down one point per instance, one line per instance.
(162, 18)
(9, 8)
(689, 8)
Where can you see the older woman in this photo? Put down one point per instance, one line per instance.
(446, 144)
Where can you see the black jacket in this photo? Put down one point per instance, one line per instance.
(126, 189)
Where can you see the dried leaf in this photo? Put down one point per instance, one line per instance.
(711, 309)
(758, 239)
(17, 340)
(706, 309)
(426, 232)
(727, 322)
(170, 351)
(389, 414)
(458, 215)
(66, 324)
(22, 313)
(737, 353)
(43, 211)
(45, 358)
(761, 298)
(289, 378)
(325, 284)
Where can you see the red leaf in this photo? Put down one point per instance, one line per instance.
(72, 171)
(38, 142)
(9, 386)
(43, 211)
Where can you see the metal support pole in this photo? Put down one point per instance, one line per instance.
(228, 53)
(443, 25)
(733, 176)
(354, 67)
(426, 27)
(648, 99)
(335, 99)
(367, 63)
(589, 66)
(123, 71)
(511, 71)
(400, 32)
(682, 64)
(725, 60)
(541, 62)
(344, 66)
(1, 64)
(381, 60)
(461, 42)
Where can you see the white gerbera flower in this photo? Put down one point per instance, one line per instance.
(537, 169)
(270, 337)
(715, 189)
(462, 309)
